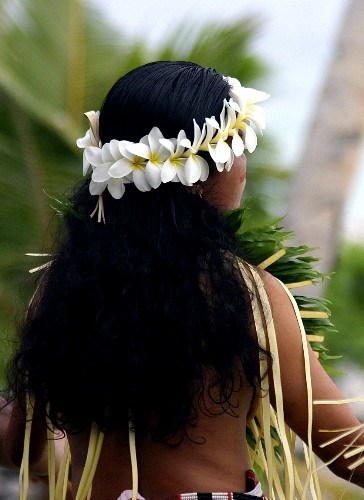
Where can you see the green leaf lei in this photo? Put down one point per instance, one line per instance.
(265, 247)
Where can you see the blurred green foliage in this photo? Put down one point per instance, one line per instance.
(345, 290)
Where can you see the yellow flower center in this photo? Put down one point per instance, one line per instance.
(137, 162)
(155, 158)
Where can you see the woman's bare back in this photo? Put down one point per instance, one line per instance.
(214, 458)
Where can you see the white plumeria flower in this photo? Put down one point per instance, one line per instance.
(91, 138)
(222, 155)
(174, 165)
(196, 167)
(152, 150)
(219, 150)
(115, 187)
(215, 139)
(130, 167)
(248, 138)
(243, 102)
(102, 160)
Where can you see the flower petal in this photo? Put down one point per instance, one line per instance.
(229, 163)
(250, 139)
(254, 95)
(86, 140)
(94, 155)
(182, 177)
(237, 144)
(93, 118)
(116, 188)
(213, 122)
(192, 169)
(123, 148)
(196, 169)
(234, 105)
(220, 166)
(222, 151)
(139, 149)
(212, 151)
(256, 115)
(153, 174)
(120, 168)
(106, 153)
(180, 138)
(209, 133)
(101, 173)
(86, 164)
(168, 171)
(153, 138)
(186, 143)
(97, 187)
(115, 150)
(140, 180)
(168, 144)
(204, 168)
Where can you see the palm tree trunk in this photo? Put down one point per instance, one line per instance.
(323, 177)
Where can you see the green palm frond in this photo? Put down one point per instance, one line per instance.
(294, 266)
(226, 47)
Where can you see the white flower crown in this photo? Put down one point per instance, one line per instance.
(155, 160)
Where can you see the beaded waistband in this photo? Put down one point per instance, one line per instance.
(218, 496)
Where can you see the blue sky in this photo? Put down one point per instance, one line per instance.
(297, 41)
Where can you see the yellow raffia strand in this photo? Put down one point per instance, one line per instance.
(43, 266)
(39, 268)
(289, 487)
(24, 468)
(272, 259)
(342, 452)
(356, 451)
(63, 473)
(266, 333)
(264, 417)
(280, 424)
(133, 460)
(315, 338)
(359, 399)
(93, 455)
(306, 314)
(257, 455)
(298, 284)
(310, 460)
(99, 209)
(51, 459)
(341, 433)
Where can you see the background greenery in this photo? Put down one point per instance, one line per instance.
(346, 292)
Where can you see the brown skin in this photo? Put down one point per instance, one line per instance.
(164, 471)
(218, 464)
(5, 414)
(225, 189)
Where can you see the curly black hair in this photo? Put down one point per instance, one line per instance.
(133, 314)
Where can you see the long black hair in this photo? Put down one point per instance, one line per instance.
(133, 314)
